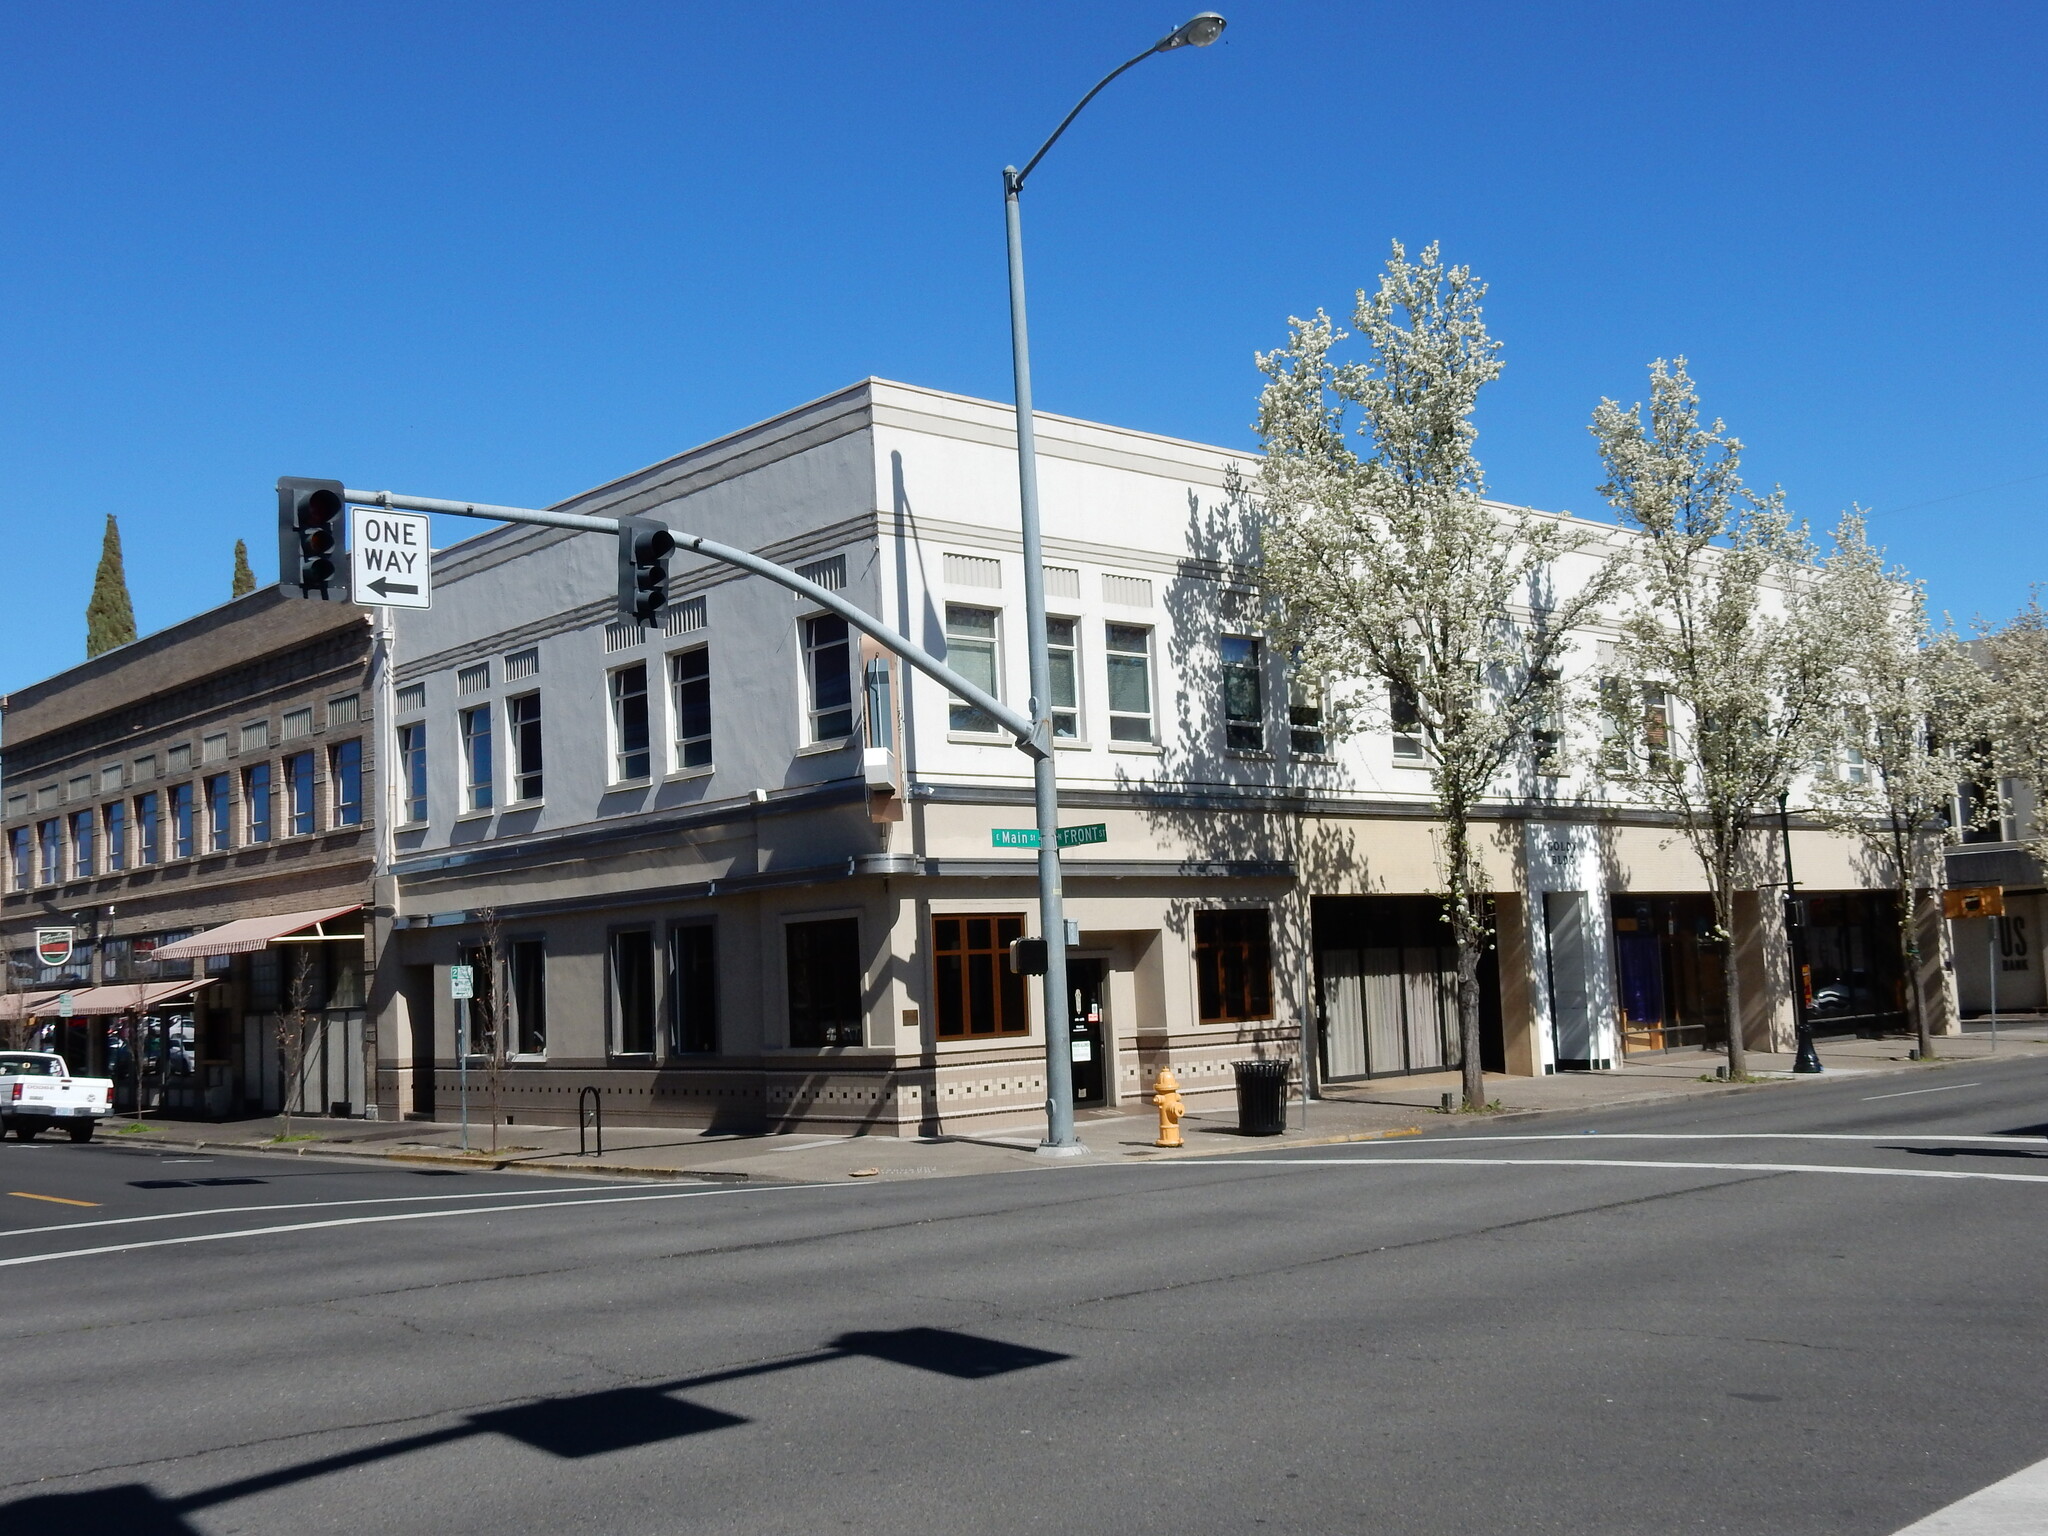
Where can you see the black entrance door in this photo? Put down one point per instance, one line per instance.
(1090, 1030)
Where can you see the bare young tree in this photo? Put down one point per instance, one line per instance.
(487, 1011)
(1391, 567)
(1910, 705)
(294, 1028)
(1725, 675)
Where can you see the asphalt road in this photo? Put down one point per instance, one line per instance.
(1808, 1309)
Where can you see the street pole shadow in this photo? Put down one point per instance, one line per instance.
(571, 1428)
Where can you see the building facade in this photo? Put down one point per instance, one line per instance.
(745, 871)
(220, 771)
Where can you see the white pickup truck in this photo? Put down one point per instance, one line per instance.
(38, 1091)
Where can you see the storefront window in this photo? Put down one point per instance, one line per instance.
(976, 991)
(692, 990)
(1233, 966)
(633, 992)
(824, 977)
(529, 997)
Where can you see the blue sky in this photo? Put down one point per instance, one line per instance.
(507, 251)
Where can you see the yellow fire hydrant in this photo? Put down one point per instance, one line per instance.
(1166, 1094)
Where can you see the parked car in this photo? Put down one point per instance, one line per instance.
(38, 1091)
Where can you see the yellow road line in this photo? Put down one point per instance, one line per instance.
(22, 1194)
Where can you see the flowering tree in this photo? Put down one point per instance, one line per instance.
(2015, 717)
(1909, 710)
(1390, 566)
(1723, 684)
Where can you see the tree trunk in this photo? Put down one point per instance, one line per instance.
(1470, 951)
(1731, 974)
(1909, 958)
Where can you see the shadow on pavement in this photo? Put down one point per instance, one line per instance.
(572, 1428)
(1971, 1152)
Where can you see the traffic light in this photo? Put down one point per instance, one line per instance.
(644, 547)
(309, 529)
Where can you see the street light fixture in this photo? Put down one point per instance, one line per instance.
(1060, 1140)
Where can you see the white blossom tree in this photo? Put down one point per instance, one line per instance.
(1389, 567)
(2015, 715)
(1909, 712)
(1725, 674)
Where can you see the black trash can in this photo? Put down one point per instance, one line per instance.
(1261, 1097)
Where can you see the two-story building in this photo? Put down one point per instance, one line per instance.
(197, 808)
(695, 891)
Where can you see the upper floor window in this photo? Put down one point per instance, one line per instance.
(632, 758)
(478, 772)
(214, 748)
(971, 651)
(149, 845)
(300, 808)
(345, 774)
(50, 836)
(1305, 732)
(689, 685)
(220, 835)
(114, 821)
(1062, 646)
(83, 865)
(345, 710)
(522, 716)
(20, 857)
(828, 676)
(1128, 651)
(412, 770)
(1244, 704)
(1405, 716)
(181, 820)
(256, 802)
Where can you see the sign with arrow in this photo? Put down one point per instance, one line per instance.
(388, 557)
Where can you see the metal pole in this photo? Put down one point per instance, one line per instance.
(1804, 1057)
(1991, 954)
(1060, 1140)
(462, 1067)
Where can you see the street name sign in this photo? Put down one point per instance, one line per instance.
(1068, 837)
(388, 557)
(461, 982)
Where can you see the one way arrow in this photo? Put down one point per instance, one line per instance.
(384, 588)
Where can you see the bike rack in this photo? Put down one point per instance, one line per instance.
(589, 1116)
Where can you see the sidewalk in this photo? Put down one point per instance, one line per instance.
(1347, 1112)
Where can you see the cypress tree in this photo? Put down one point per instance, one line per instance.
(245, 579)
(109, 617)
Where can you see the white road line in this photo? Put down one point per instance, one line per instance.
(1582, 1162)
(1447, 1141)
(310, 1205)
(2013, 1506)
(1945, 1088)
(365, 1221)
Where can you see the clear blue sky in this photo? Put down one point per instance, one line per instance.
(507, 251)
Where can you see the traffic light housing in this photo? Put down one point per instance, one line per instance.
(644, 547)
(309, 534)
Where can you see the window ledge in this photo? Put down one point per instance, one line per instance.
(1249, 754)
(1149, 748)
(419, 825)
(820, 748)
(620, 784)
(526, 1059)
(484, 815)
(980, 738)
(701, 771)
(524, 805)
(1071, 744)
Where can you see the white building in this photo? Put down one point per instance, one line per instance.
(703, 907)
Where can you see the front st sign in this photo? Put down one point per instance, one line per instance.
(388, 558)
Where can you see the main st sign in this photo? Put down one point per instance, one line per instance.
(388, 558)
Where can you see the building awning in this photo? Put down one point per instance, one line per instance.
(246, 935)
(22, 1005)
(129, 997)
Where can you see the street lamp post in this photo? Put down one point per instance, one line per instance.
(1804, 1058)
(1060, 1140)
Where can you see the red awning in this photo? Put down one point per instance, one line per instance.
(129, 997)
(246, 935)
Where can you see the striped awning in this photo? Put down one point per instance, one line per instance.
(88, 1002)
(246, 935)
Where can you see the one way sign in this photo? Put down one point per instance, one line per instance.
(387, 558)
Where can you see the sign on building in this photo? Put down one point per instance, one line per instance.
(54, 946)
(388, 558)
(1069, 837)
(1973, 901)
